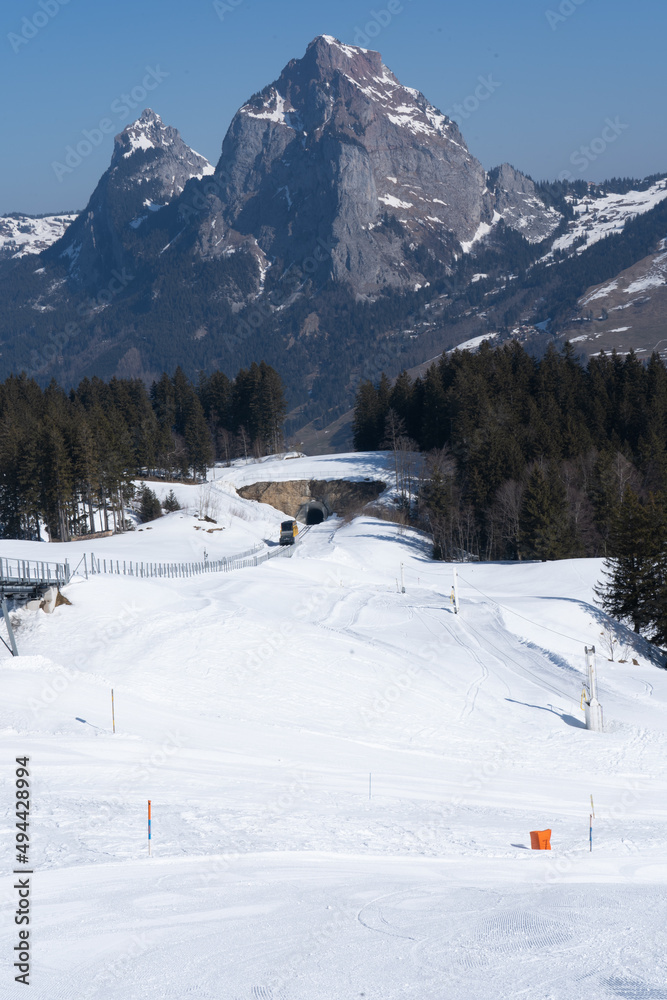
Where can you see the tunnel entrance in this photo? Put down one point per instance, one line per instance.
(313, 512)
(312, 501)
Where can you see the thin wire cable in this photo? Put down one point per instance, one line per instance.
(563, 635)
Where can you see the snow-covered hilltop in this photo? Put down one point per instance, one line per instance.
(596, 218)
(28, 234)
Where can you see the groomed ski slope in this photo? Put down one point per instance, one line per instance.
(251, 708)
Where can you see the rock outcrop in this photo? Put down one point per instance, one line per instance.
(338, 153)
(150, 166)
(338, 496)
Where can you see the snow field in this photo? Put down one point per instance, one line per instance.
(251, 708)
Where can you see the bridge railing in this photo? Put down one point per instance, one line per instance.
(27, 572)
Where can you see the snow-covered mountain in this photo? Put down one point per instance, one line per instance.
(338, 150)
(29, 234)
(337, 186)
(150, 166)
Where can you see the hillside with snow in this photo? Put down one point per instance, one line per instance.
(597, 218)
(26, 234)
(627, 313)
(343, 776)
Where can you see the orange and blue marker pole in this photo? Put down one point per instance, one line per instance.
(149, 828)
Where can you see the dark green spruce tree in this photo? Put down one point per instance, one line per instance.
(544, 528)
(633, 589)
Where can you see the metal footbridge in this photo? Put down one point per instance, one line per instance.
(25, 579)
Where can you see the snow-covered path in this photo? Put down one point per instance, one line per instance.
(251, 708)
(284, 925)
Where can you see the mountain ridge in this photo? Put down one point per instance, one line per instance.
(345, 228)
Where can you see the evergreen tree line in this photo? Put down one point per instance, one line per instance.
(68, 459)
(634, 588)
(525, 458)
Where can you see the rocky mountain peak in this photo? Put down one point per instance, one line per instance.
(516, 201)
(337, 148)
(310, 91)
(327, 55)
(149, 134)
(150, 166)
(146, 133)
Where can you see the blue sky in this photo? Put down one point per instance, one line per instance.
(560, 70)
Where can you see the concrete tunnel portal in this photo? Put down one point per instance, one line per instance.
(313, 512)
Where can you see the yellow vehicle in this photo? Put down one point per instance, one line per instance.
(288, 532)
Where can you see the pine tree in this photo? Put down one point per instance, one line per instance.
(400, 399)
(149, 505)
(268, 408)
(85, 466)
(197, 439)
(55, 481)
(543, 520)
(435, 429)
(215, 394)
(244, 392)
(366, 437)
(170, 502)
(632, 572)
(184, 393)
(439, 505)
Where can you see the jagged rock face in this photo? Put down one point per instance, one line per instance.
(338, 151)
(338, 496)
(335, 171)
(517, 202)
(150, 166)
(336, 164)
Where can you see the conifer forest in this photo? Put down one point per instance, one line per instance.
(68, 460)
(538, 459)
